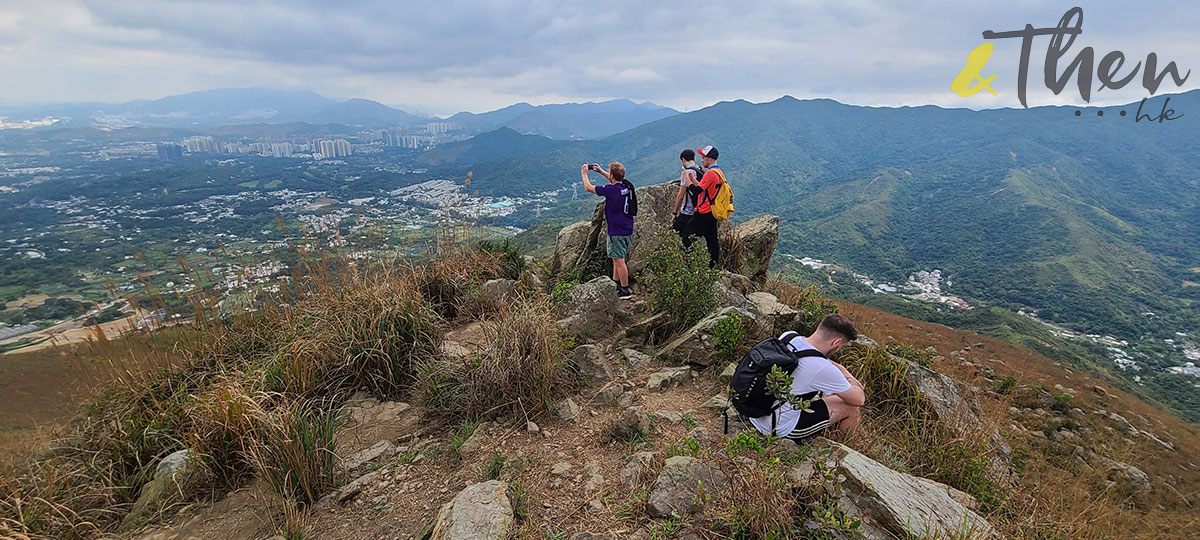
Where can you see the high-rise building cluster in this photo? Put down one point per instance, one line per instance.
(169, 151)
(202, 144)
(331, 149)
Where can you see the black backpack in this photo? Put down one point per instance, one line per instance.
(693, 192)
(630, 201)
(748, 386)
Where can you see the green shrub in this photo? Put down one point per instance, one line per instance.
(728, 334)
(1005, 386)
(681, 281)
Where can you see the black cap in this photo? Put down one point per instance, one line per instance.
(709, 151)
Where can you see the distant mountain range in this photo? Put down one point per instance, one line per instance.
(563, 121)
(221, 107)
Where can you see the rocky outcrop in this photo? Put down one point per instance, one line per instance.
(569, 245)
(902, 504)
(778, 315)
(592, 308)
(956, 409)
(679, 484)
(169, 483)
(579, 242)
(696, 344)
(479, 512)
(755, 240)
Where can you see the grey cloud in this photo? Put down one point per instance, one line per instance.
(681, 53)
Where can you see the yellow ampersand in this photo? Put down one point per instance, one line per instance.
(975, 62)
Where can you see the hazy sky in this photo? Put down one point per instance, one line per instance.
(444, 56)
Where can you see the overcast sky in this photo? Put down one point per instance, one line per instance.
(445, 56)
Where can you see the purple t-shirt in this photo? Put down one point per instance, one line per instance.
(615, 195)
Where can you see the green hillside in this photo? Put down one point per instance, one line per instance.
(1088, 221)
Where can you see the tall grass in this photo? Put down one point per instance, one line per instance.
(521, 366)
(254, 390)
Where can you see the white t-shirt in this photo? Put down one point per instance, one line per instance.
(687, 209)
(813, 373)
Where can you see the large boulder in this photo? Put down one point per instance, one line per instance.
(568, 246)
(751, 245)
(778, 315)
(170, 482)
(579, 242)
(479, 512)
(677, 489)
(591, 308)
(902, 504)
(696, 345)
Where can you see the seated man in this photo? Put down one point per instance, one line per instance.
(817, 376)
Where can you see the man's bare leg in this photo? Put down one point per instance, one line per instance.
(845, 417)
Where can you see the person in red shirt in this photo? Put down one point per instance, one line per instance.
(703, 223)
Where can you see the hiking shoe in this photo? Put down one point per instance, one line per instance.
(624, 292)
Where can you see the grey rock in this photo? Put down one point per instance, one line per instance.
(729, 297)
(735, 282)
(772, 311)
(498, 292)
(351, 490)
(900, 503)
(531, 427)
(636, 470)
(679, 485)
(568, 246)
(696, 344)
(637, 361)
(758, 238)
(567, 410)
(595, 479)
(476, 440)
(379, 451)
(631, 422)
(170, 484)
(591, 309)
(560, 468)
(668, 378)
(479, 512)
(727, 373)
(718, 402)
(592, 366)
(610, 394)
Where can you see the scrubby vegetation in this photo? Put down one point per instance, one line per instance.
(680, 280)
(256, 392)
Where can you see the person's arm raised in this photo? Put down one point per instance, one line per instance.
(587, 184)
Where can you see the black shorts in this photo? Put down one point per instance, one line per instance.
(812, 423)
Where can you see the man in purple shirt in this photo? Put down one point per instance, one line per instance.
(619, 216)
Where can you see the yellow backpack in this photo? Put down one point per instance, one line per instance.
(722, 203)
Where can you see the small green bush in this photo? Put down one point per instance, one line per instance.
(681, 281)
(728, 333)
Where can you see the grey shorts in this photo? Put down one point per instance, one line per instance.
(618, 246)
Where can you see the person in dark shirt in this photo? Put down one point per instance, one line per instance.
(702, 222)
(618, 216)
